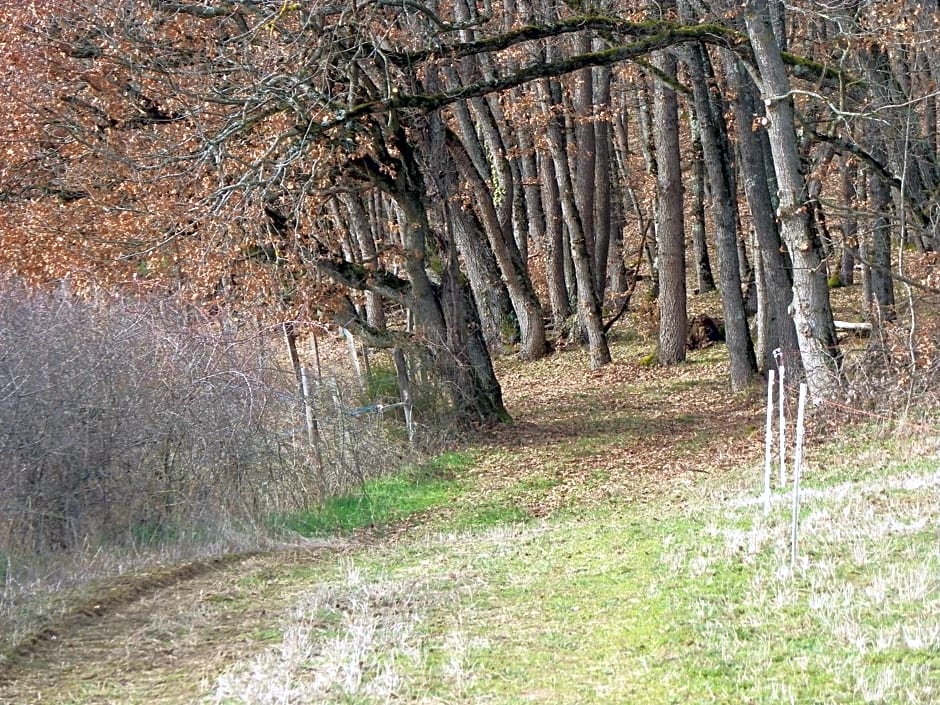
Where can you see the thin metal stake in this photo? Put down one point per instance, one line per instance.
(768, 440)
(797, 471)
(783, 421)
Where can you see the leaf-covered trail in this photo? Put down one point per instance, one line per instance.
(627, 431)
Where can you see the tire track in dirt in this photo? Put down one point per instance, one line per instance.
(164, 635)
(121, 592)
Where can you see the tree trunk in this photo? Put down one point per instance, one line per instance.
(444, 315)
(514, 272)
(359, 227)
(812, 311)
(497, 316)
(882, 284)
(477, 394)
(583, 159)
(716, 150)
(670, 231)
(602, 183)
(777, 329)
(528, 168)
(849, 223)
(588, 306)
(554, 244)
(617, 270)
(705, 280)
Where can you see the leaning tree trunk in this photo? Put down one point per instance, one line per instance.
(467, 154)
(489, 292)
(812, 311)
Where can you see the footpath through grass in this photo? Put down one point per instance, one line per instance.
(694, 603)
(608, 547)
(605, 587)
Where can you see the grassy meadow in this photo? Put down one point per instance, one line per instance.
(609, 546)
(657, 586)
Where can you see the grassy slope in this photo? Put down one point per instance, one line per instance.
(640, 567)
(608, 547)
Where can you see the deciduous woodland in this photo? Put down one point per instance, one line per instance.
(451, 178)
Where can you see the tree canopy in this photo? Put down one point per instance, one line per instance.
(451, 176)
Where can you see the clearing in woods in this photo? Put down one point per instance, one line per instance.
(607, 547)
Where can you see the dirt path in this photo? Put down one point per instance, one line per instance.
(163, 642)
(628, 430)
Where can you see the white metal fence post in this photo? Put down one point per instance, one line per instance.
(797, 471)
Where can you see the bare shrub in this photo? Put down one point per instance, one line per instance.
(136, 422)
(898, 372)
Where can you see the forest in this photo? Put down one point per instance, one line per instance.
(457, 179)
(451, 182)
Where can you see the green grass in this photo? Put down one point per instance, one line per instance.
(488, 514)
(381, 500)
(576, 611)
(154, 533)
(670, 602)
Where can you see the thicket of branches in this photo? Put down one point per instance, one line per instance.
(137, 423)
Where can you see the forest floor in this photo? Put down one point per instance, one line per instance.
(609, 546)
